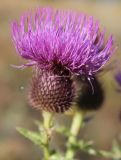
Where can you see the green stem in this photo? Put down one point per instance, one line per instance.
(48, 119)
(74, 130)
(47, 123)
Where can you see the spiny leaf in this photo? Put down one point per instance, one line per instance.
(63, 130)
(39, 125)
(33, 136)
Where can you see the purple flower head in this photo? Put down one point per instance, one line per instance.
(60, 44)
(73, 41)
(118, 78)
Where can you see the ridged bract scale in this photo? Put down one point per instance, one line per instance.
(51, 92)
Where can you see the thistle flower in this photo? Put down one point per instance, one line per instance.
(60, 45)
(118, 80)
(118, 77)
(88, 100)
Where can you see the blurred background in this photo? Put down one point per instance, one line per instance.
(14, 109)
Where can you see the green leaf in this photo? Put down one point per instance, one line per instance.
(85, 145)
(33, 136)
(39, 125)
(63, 130)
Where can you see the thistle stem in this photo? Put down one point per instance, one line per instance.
(47, 124)
(74, 130)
